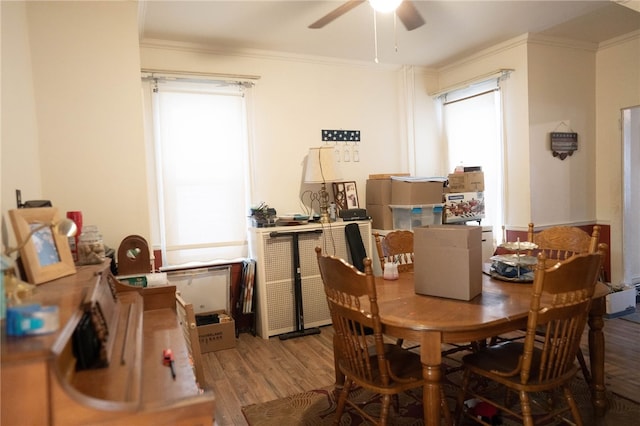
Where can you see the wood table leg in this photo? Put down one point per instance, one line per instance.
(596, 356)
(430, 355)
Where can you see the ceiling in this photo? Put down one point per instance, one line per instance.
(453, 29)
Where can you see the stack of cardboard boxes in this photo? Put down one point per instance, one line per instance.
(464, 201)
(394, 203)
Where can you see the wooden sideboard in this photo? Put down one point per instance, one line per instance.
(40, 384)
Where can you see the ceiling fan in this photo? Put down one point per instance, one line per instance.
(406, 12)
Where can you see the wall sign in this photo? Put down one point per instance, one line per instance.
(563, 143)
(341, 135)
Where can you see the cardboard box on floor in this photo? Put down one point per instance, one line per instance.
(217, 336)
(448, 261)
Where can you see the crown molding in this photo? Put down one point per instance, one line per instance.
(634, 35)
(561, 42)
(261, 54)
(490, 51)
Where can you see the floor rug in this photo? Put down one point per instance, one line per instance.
(317, 408)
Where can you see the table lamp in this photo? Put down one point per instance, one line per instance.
(322, 168)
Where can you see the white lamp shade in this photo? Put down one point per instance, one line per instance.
(321, 165)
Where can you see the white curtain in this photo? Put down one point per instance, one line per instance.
(200, 168)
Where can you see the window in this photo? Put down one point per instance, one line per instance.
(198, 157)
(473, 127)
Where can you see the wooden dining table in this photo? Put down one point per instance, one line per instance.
(501, 308)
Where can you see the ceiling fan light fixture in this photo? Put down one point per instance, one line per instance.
(385, 6)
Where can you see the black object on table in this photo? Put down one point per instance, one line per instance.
(297, 285)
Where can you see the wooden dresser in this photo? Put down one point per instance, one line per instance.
(40, 384)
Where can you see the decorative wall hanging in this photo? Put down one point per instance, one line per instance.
(350, 139)
(563, 143)
(341, 135)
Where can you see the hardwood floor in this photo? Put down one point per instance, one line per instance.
(260, 370)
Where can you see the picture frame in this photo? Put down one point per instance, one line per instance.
(346, 195)
(46, 254)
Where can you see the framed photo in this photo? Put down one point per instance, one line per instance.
(346, 195)
(46, 254)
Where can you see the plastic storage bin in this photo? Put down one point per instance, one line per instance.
(409, 217)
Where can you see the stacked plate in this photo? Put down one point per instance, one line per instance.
(517, 267)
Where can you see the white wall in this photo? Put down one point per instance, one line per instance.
(561, 99)
(617, 86)
(74, 69)
(20, 154)
(295, 98)
(425, 145)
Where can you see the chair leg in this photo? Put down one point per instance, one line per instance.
(342, 400)
(462, 392)
(568, 396)
(444, 408)
(384, 414)
(396, 402)
(583, 365)
(525, 405)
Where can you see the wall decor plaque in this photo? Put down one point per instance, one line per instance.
(563, 143)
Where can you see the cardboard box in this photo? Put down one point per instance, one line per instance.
(217, 336)
(448, 261)
(621, 303)
(386, 175)
(463, 207)
(466, 182)
(378, 191)
(413, 193)
(381, 216)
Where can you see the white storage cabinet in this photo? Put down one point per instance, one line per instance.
(275, 310)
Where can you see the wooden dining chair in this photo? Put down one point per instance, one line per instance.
(395, 247)
(365, 360)
(560, 301)
(562, 242)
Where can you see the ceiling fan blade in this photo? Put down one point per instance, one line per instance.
(336, 13)
(409, 15)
